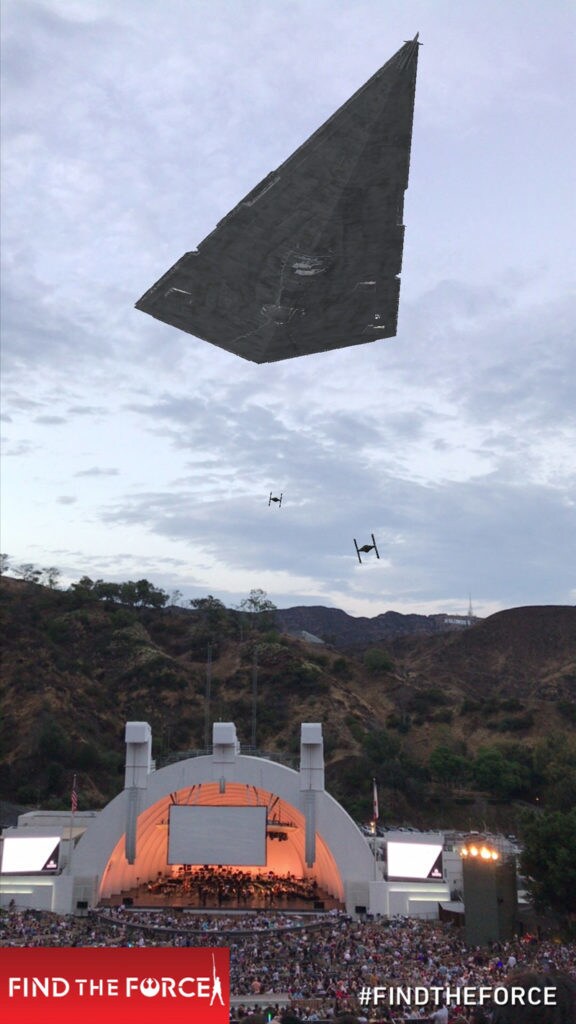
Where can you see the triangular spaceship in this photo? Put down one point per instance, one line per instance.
(51, 862)
(310, 259)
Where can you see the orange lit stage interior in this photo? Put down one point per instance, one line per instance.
(283, 883)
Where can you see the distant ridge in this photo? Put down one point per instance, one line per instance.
(347, 631)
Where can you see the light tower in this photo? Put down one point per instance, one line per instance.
(490, 891)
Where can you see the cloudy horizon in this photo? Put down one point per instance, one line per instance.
(133, 450)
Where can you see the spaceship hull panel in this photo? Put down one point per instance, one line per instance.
(309, 260)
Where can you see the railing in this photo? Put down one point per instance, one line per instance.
(288, 760)
(312, 924)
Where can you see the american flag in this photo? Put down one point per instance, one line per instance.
(74, 797)
(374, 800)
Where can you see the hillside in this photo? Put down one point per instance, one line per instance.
(517, 653)
(454, 725)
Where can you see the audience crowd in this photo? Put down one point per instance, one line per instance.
(185, 921)
(315, 965)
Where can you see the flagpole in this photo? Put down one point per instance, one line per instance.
(375, 813)
(73, 809)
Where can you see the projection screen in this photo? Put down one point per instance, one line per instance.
(30, 854)
(414, 862)
(217, 835)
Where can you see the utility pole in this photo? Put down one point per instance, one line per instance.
(207, 698)
(254, 695)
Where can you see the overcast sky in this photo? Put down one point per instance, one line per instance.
(132, 449)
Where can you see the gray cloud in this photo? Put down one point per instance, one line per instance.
(23, 447)
(87, 410)
(484, 535)
(97, 471)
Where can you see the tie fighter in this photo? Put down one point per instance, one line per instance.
(366, 548)
(272, 498)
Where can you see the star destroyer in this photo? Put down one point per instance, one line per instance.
(310, 259)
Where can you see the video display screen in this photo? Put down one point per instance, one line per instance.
(217, 835)
(30, 854)
(414, 862)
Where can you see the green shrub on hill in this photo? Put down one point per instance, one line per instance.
(377, 661)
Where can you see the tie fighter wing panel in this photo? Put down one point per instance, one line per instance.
(310, 259)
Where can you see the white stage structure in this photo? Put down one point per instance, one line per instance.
(220, 808)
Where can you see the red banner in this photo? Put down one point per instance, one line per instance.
(59, 985)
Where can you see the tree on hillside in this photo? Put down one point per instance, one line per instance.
(140, 594)
(212, 620)
(144, 594)
(555, 767)
(50, 577)
(31, 573)
(448, 767)
(497, 772)
(207, 604)
(386, 757)
(210, 609)
(83, 589)
(549, 859)
(109, 592)
(261, 611)
(28, 571)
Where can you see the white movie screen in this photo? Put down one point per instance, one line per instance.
(30, 854)
(217, 835)
(415, 862)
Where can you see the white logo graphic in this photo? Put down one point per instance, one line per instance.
(199, 987)
(216, 984)
(149, 987)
